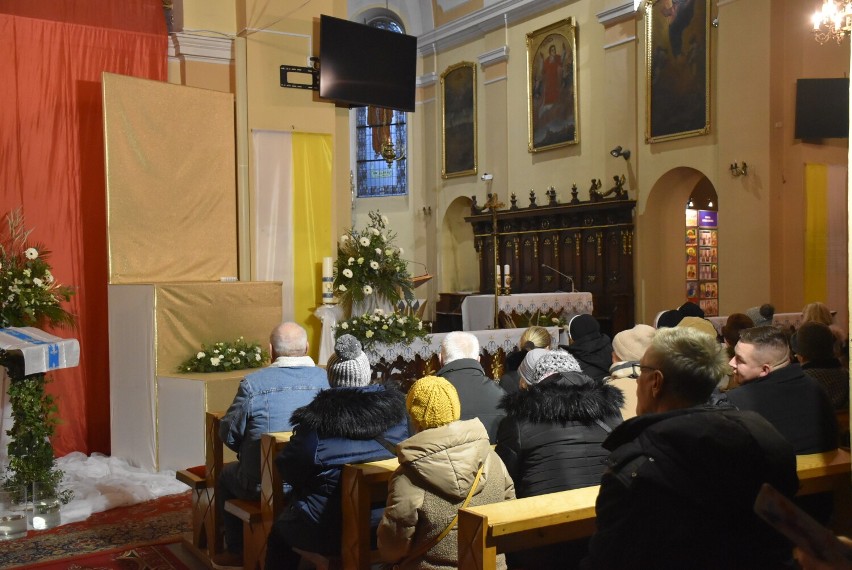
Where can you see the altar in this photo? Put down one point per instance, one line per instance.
(478, 310)
(406, 363)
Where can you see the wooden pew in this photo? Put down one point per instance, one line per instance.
(360, 485)
(206, 539)
(488, 530)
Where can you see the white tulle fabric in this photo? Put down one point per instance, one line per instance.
(101, 483)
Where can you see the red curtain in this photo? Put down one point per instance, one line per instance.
(52, 165)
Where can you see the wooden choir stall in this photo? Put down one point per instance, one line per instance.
(578, 246)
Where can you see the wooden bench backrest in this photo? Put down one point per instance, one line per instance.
(360, 485)
(487, 530)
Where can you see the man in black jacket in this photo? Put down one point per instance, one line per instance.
(682, 478)
(479, 395)
(794, 403)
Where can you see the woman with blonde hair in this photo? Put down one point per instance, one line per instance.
(817, 312)
(533, 337)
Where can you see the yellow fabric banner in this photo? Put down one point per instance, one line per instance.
(312, 180)
(816, 232)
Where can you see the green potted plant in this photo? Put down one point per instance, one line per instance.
(30, 296)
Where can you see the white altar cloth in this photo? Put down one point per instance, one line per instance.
(478, 310)
(425, 348)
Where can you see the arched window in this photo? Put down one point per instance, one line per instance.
(374, 127)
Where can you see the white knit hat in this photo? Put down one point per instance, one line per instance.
(631, 344)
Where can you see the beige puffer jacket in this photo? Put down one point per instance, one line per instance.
(437, 468)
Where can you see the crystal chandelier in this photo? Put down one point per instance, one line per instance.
(833, 21)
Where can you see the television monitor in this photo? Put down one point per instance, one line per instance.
(822, 108)
(362, 65)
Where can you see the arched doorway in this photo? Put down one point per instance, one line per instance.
(661, 240)
(459, 268)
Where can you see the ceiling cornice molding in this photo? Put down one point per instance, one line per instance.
(192, 47)
(481, 22)
(426, 79)
(493, 56)
(617, 14)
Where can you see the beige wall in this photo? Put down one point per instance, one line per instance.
(758, 51)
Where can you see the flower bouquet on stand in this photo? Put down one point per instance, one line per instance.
(371, 279)
(30, 296)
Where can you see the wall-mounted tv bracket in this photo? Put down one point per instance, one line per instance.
(312, 72)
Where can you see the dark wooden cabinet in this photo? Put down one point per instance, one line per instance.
(591, 242)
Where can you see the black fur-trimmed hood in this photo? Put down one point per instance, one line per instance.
(569, 396)
(352, 413)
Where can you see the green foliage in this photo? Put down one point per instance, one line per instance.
(29, 294)
(369, 263)
(226, 356)
(35, 418)
(382, 327)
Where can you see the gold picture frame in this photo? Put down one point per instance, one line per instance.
(458, 120)
(552, 86)
(677, 57)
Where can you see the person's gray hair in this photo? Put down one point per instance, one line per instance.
(692, 363)
(289, 339)
(457, 345)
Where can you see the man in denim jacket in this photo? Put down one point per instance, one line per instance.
(264, 403)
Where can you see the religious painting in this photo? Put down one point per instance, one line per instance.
(678, 69)
(552, 86)
(458, 87)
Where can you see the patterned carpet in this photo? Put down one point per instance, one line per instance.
(161, 521)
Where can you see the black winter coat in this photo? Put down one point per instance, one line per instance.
(679, 493)
(479, 395)
(336, 428)
(594, 353)
(551, 438)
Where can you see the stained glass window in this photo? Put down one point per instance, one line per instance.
(376, 127)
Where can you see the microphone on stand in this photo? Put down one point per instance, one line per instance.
(568, 277)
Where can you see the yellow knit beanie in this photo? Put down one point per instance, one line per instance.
(433, 402)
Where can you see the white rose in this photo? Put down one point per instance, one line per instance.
(369, 334)
(376, 318)
(374, 231)
(368, 290)
(364, 241)
(384, 327)
(342, 287)
(344, 326)
(37, 282)
(344, 237)
(347, 273)
(31, 253)
(420, 326)
(350, 261)
(385, 220)
(379, 311)
(200, 355)
(215, 361)
(374, 264)
(378, 251)
(401, 320)
(257, 357)
(48, 276)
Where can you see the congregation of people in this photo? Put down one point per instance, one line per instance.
(679, 424)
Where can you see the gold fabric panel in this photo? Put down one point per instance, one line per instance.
(191, 314)
(170, 180)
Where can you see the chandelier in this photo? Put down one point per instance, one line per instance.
(833, 21)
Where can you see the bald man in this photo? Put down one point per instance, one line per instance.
(264, 403)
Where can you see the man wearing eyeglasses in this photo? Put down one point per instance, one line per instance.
(682, 476)
(781, 392)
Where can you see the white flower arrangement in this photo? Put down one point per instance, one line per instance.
(379, 326)
(226, 356)
(369, 263)
(29, 295)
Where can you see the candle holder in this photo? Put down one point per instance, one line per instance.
(506, 289)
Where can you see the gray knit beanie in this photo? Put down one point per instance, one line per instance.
(552, 362)
(348, 367)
